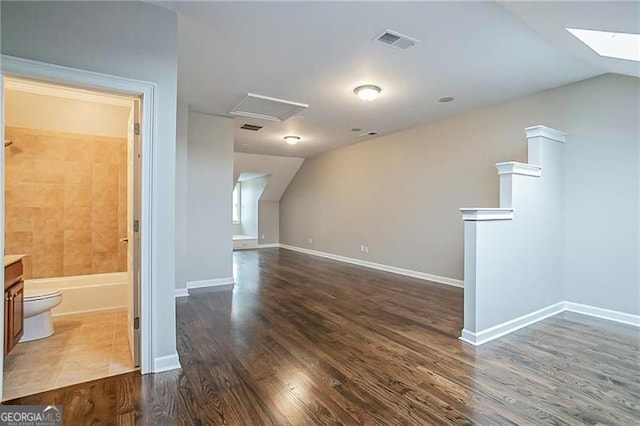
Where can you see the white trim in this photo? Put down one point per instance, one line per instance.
(91, 311)
(182, 292)
(510, 326)
(19, 67)
(270, 245)
(545, 132)
(607, 314)
(479, 214)
(515, 168)
(526, 320)
(210, 283)
(45, 89)
(166, 363)
(387, 268)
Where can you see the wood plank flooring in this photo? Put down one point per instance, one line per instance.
(303, 340)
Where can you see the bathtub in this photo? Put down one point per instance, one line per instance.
(86, 293)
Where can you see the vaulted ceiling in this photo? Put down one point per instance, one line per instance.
(316, 53)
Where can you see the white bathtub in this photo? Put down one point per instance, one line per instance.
(86, 293)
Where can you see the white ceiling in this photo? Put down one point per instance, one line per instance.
(480, 53)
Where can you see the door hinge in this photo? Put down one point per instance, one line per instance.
(136, 129)
(136, 226)
(136, 323)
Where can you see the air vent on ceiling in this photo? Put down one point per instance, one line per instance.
(397, 40)
(371, 133)
(266, 108)
(251, 127)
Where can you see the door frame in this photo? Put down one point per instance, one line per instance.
(12, 66)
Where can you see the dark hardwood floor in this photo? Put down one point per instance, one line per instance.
(302, 340)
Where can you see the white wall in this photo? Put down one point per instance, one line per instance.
(56, 114)
(268, 222)
(182, 140)
(209, 179)
(250, 193)
(128, 39)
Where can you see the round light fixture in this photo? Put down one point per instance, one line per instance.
(292, 140)
(368, 92)
(445, 100)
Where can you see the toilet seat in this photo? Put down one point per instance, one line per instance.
(31, 295)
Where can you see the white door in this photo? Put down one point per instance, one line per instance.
(133, 228)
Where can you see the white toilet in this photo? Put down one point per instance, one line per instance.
(38, 323)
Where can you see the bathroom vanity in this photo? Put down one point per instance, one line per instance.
(13, 301)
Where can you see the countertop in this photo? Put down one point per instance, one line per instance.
(10, 259)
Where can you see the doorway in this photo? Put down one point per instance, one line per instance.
(72, 206)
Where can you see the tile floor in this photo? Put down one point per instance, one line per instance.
(84, 347)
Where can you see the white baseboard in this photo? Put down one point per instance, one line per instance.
(510, 326)
(387, 268)
(166, 363)
(90, 311)
(270, 245)
(210, 283)
(182, 292)
(607, 314)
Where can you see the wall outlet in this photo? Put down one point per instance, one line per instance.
(366, 249)
(310, 240)
(362, 248)
(262, 236)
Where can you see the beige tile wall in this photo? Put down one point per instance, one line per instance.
(65, 202)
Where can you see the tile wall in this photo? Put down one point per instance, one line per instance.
(65, 202)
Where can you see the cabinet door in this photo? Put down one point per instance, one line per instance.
(16, 314)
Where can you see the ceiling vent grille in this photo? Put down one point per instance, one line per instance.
(371, 133)
(397, 40)
(266, 108)
(251, 127)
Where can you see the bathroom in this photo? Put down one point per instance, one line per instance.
(69, 200)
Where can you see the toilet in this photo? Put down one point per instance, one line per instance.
(38, 323)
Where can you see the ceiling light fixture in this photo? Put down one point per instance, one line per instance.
(367, 92)
(610, 44)
(292, 140)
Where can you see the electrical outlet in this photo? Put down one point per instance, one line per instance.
(310, 240)
(366, 249)
(263, 236)
(362, 248)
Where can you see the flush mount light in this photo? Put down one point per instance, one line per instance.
(445, 100)
(368, 92)
(610, 44)
(292, 140)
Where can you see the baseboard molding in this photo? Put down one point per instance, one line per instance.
(270, 245)
(90, 311)
(210, 283)
(182, 292)
(607, 314)
(378, 266)
(510, 326)
(166, 363)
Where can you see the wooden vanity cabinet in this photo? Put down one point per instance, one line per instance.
(13, 305)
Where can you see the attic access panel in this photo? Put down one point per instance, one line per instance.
(266, 108)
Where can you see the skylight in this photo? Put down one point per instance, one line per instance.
(610, 44)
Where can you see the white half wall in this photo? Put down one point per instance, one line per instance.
(182, 243)
(210, 184)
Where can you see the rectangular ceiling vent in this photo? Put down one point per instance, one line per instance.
(266, 108)
(252, 127)
(371, 133)
(397, 40)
